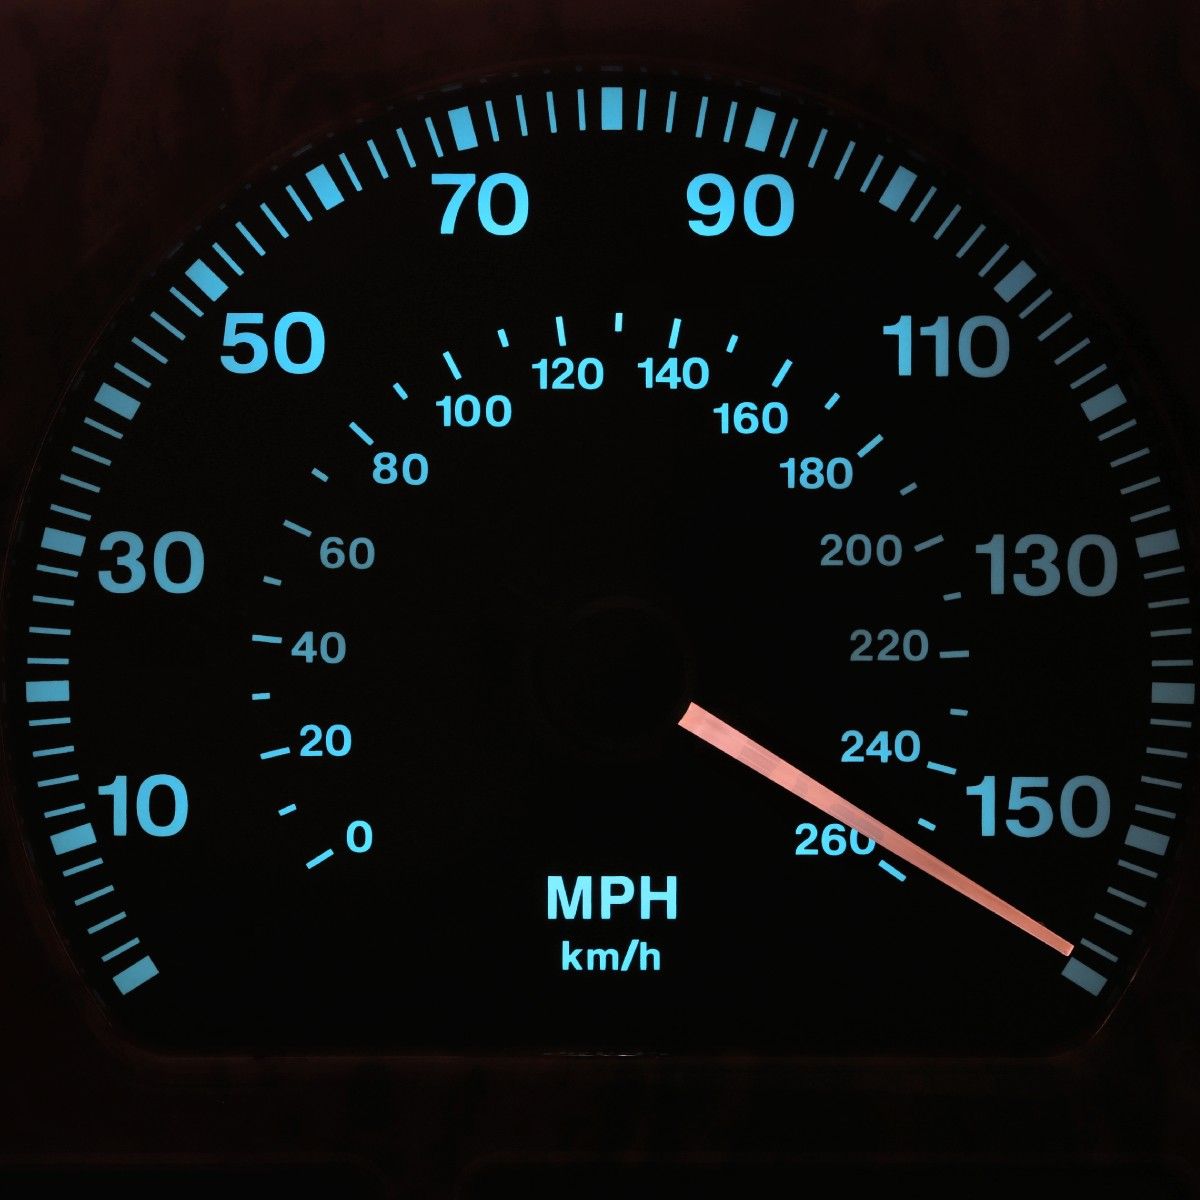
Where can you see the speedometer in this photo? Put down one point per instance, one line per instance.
(604, 559)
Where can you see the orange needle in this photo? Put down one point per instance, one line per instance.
(758, 758)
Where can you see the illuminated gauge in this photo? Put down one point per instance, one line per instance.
(603, 559)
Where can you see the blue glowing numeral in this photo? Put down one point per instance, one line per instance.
(692, 373)
(1044, 562)
(257, 344)
(587, 372)
(130, 561)
(748, 417)
(334, 741)
(331, 648)
(316, 343)
(723, 206)
(135, 573)
(413, 470)
(966, 347)
(834, 841)
(902, 332)
(486, 203)
(783, 202)
(913, 646)
(119, 791)
(360, 553)
(813, 473)
(1066, 806)
(861, 550)
(520, 204)
(194, 553)
(1042, 809)
(462, 185)
(359, 837)
(1018, 802)
(940, 332)
(1108, 568)
(904, 746)
(467, 411)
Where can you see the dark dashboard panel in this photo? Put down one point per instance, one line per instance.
(135, 124)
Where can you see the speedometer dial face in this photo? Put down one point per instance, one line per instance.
(603, 560)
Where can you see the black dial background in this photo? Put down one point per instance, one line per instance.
(472, 690)
(130, 123)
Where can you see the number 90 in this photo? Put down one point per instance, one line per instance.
(722, 209)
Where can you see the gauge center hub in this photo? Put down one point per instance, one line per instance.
(616, 673)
